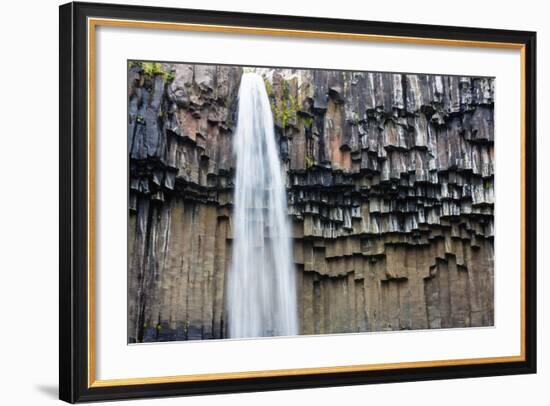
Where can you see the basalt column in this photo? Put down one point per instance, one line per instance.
(389, 184)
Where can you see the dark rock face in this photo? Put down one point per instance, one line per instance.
(390, 191)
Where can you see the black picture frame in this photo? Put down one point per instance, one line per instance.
(74, 383)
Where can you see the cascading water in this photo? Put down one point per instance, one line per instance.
(262, 281)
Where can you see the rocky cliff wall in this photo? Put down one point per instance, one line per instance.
(390, 191)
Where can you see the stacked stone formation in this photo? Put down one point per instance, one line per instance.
(390, 191)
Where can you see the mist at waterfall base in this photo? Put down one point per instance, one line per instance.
(262, 282)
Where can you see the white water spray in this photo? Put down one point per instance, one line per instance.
(262, 281)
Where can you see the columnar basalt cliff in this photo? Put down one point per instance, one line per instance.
(389, 184)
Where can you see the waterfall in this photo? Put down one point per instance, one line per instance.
(262, 281)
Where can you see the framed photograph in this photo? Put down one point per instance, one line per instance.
(255, 202)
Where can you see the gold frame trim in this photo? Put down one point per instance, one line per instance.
(94, 22)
